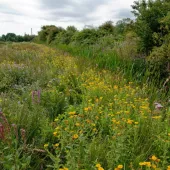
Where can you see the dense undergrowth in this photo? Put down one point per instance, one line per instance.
(63, 112)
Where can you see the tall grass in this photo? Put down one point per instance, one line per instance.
(132, 68)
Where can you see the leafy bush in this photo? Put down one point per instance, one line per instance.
(158, 63)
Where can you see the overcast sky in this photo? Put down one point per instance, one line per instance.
(19, 16)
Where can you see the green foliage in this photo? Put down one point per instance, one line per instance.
(124, 25)
(158, 63)
(148, 16)
(107, 27)
(48, 33)
(16, 38)
(86, 37)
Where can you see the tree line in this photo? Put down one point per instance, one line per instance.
(16, 38)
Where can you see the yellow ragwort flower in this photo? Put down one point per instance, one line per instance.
(100, 168)
(98, 165)
(56, 145)
(154, 158)
(75, 136)
(120, 166)
(72, 113)
(55, 133)
(46, 145)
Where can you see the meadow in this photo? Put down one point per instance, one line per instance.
(67, 113)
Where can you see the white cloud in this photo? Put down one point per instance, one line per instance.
(19, 16)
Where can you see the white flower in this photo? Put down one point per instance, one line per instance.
(158, 105)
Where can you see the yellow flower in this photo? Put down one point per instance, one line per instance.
(75, 136)
(86, 109)
(46, 145)
(154, 158)
(98, 165)
(142, 163)
(156, 117)
(120, 166)
(148, 164)
(129, 121)
(55, 133)
(77, 124)
(100, 168)
(115, 87)
(56, 145)
(72, 113)
(63, 168)
(153, 166)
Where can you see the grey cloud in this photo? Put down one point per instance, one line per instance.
(61, 10)
(75, 4)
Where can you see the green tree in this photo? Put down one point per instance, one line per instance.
(107, 27)
(124, 25)
(148, 16)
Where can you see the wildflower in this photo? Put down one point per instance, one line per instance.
(63, 168)
(98, 165)
(77, 124)
(129, 121)
(147, 164)
(115, 87)
(72, 113)
(97, 100)
(154, 158)
(86, 109)
(46, 145)
(75, 136)
(142, 163)
(153, 166)
(55, 133)
(56, 145)
(120, 166)
(158, 106)
(156, 117)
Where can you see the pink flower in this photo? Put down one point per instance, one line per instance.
(158, 106)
